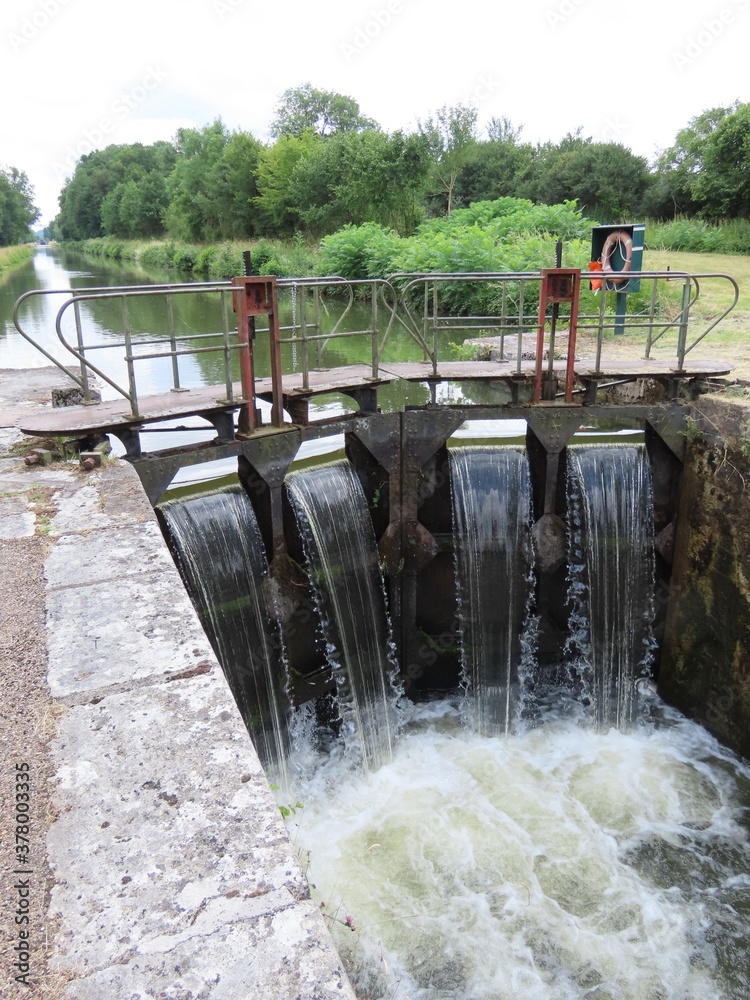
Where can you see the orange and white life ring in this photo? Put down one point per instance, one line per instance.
(626, 240)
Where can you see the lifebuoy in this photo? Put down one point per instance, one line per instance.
(620, 236)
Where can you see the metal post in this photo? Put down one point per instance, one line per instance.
(79, 337)
(316, 325)
(374, 310)
(302, 302)
(503, 320)
(277, 406)
(129, 358)
(434, 327)
(621, 305)
(519, 350)
(600, 331)
(651, 314)
(540, 338)
(245, 336)
(572, 335)
(228, 381)
(173, 345)
(555, 315)
(683, 329)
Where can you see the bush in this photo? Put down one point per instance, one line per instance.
(226, 262)
(508, 234)
(697, 236)
(157, 255)
(184, 258)
(356, 252)
(204, 260)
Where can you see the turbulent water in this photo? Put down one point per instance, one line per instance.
(492, 522)
(561, 863)
(342, 558)
(565, 860)
(220, 555)
(611, 571)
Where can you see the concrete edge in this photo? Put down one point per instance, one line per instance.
(175, 876)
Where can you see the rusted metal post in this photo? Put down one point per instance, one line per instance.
(256, 296)
(245, 337)
(558, 285)
(572, 335)
(277, 406)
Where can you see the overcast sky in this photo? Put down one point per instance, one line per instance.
(82, 74)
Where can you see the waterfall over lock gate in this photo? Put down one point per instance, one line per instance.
(220, 555)
(492, 535)
(342, 562)
(611, 577)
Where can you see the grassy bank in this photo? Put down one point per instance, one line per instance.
(215, 262)
(11, 257)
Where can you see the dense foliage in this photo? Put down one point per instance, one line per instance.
(508, 235)
(17, 209)
(331, 168)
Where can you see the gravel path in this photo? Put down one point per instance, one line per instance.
(27, 712)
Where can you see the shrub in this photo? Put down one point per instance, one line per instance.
(697, 236)
(157, 255)
(184, 258)
(356, 252)
(204, 260)
(226, 262)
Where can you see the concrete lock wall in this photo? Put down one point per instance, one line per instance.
(168, 870)
(705, 659)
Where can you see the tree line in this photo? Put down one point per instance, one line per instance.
(17, 210)
(330, 166)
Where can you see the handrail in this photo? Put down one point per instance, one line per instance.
(394, 294)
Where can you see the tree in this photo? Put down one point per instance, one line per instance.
(323, 111)
(498, 168)
(17, 209)
(237, 186)
(276, 204)
(721, 188)
(451, 136)
(606, 179)
(679, 167)
(503, 130)
(90, 199)
(357, 177)
(194, 206)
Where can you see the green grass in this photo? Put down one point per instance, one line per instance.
(11, 257)
(715, 294)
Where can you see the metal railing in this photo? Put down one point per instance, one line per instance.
(411, 302)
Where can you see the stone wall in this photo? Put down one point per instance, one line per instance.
(705, 662)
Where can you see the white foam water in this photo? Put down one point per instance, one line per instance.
(559, 863)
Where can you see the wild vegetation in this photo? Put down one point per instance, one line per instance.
(330, 166)
(17, 209)
(335, 192)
